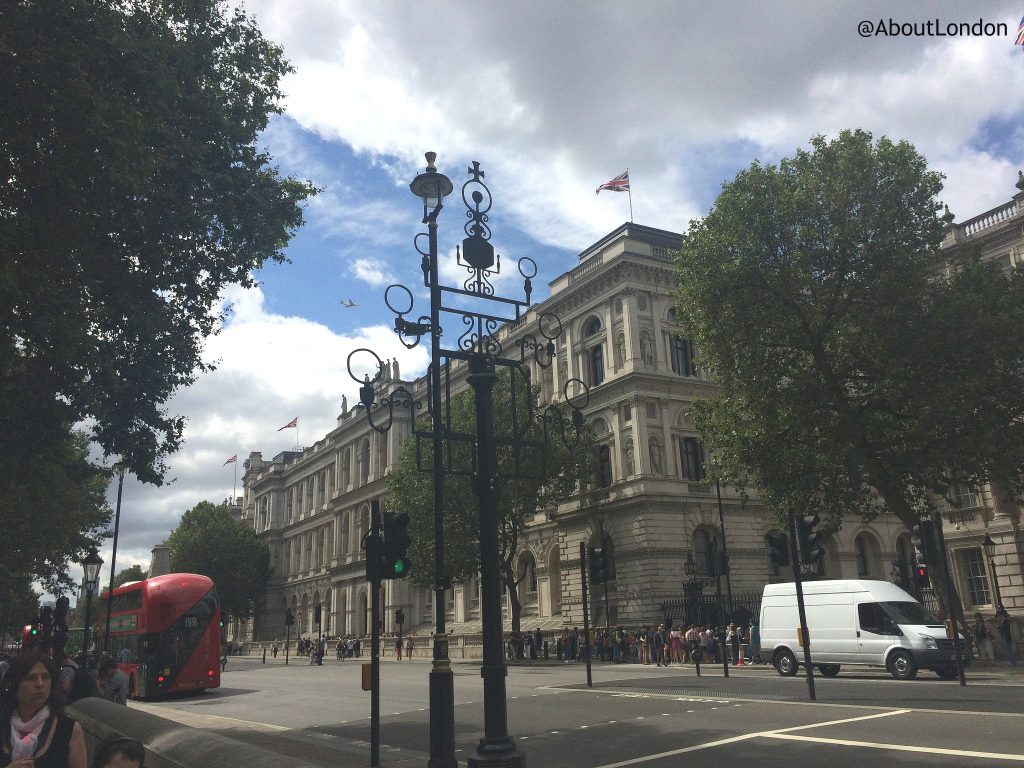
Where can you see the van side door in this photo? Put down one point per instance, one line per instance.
(875, 633)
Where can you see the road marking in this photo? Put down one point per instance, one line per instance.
(745, 737)
(898, 747)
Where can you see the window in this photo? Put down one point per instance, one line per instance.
(863, 571)
(596, 365)
(874, 619)
(627, 413)
(972, 566)
(592, 326)
(604, 466)
(681, 354)
(692, 458)
(704, 550)
(964, 496)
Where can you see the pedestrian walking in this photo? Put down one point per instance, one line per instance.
(1006, 634)
(273, 649)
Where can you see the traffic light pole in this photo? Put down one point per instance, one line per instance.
(586, 611)
(950, 595)
(805, 635)
(375, 525)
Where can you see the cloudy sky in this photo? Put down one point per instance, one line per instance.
(552, 98)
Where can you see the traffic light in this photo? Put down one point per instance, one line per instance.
(723, 563)
(399, 617)
(317, 615)
(921, 538)
(598, 566)
(373, 557)
(778, 548)
(289, 617)
(396, 563)
(808, 539)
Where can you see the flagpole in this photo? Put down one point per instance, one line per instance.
(630, 193)
(234, 483)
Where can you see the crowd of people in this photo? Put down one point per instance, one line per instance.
(663, 645)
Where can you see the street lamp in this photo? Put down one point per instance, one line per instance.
(476, 345)
(113, 558)
(91, 565)
(990, 552)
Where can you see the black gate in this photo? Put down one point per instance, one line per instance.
(700, 609)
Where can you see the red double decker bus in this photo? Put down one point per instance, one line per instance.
(165, 634)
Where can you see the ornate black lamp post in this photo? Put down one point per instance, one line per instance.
(478, 346)
(91, 565)
(113, 558)
(990, 554)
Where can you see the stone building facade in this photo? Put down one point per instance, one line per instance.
(649, 505)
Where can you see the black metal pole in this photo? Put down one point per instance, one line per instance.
(950, 594)
(795, 550)
(113, 559)
(725, 550)
(586, 611)
(320, 637)
(85, 629)
(375, 524)
(995, 581)
(442, 681)
(287, 642)
(721, 635)
(496, 747)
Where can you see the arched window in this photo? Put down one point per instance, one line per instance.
(364, 461)
(346, 468)
(861, 550)
(596, 356)
(592, 326)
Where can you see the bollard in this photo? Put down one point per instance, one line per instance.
(739, 662)
(545, 649)
(264, 655)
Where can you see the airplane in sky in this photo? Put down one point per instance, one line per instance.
(348, 303)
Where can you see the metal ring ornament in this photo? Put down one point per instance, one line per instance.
(575, 404)
(545, 319)
(416, 244)
(348, 364)
(528, 263)
(388, 299)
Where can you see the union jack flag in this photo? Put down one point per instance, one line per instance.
(1020, 33)
(233, 459)
(619, 184)
(293, 423)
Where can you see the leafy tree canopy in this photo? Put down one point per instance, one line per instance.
(131, 573)
(19, 604)
(132, 192)
(545, 476)
(857, 369)
(56, 507)
(209, 541)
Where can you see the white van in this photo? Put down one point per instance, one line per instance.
(866, 623)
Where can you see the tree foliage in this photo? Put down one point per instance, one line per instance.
(211, 542)
(543, 479)
(132, 192)
(857, 369)
(19, 604)
(131, 573)
(56, 507)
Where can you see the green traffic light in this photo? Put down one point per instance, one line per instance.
(400, 566)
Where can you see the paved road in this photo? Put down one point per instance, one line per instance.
(641, 716)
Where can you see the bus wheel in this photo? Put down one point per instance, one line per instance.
(828, 670)
(785, 662)
(902, 666)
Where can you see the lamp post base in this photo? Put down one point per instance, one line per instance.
(442, 716)
(497, 753)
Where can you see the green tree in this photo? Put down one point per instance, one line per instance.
(19, 604)
(131, 573)
(857, 369)
(544, 478)
(56, 506)
(132, 192)
(211, 542)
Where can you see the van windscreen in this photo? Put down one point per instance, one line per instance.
(908, 613)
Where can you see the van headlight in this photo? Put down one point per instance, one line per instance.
(929, 642)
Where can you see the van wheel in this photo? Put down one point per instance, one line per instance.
(946, 673)
(785, 662)
(828, 670)
(902, 666)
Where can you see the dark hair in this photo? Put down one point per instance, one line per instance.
(112, 746)
(21, 665)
